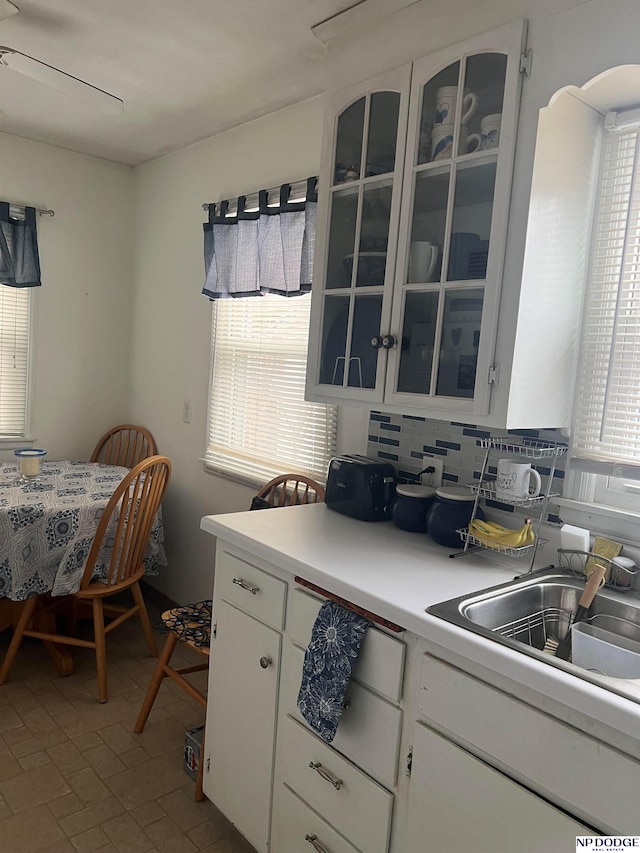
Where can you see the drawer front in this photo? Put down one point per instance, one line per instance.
(380, 663)
(356, 806)
(296, 828)
(505, 728)
(369, 729)
(251, 589)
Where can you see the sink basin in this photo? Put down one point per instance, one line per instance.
(524, 613)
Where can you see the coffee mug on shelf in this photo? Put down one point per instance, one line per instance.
(517, 480)
(472, 142)
(442, 141)
(446, 98)
(423, 257)
(490, 131)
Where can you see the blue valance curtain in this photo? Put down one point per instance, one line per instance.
(19, 258)
(268, 250)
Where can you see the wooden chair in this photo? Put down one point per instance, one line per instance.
(291, 490)
(190, 624)
(126, 445)
(126, 522)
(285, 490)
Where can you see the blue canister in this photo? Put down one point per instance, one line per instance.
(411, 506)
(451, 510)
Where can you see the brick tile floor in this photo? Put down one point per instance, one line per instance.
(74, 778)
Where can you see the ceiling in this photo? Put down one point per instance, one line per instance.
(185, 69)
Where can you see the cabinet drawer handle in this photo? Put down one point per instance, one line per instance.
(315, 765)
(313, 841)
(265, 662)
(251, 589)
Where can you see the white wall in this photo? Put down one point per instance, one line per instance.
(82, 319)
(172, 320)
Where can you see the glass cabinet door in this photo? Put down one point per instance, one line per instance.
(361, 232)
(444, 282)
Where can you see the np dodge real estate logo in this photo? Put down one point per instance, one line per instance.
(607, 843)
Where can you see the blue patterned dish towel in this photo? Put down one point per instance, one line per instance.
(328, 662)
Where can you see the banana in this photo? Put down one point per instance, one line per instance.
(496, 536)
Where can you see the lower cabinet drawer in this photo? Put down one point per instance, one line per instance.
(380, 664)
(369, 728)
(296, 828)
(347, 798)
(249, 588)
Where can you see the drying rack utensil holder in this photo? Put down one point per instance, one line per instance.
(485, 489)
(617, 577)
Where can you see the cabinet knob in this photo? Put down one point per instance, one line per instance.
(376, 341)
(265, 662)
(388, 342)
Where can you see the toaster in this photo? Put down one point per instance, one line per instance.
(361, 487)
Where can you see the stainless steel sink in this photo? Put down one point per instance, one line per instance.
(525, 612)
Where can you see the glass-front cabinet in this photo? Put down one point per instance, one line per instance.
(359, 230)
(412, 229)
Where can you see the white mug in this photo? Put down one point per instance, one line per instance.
(514, 480)
(423, 256)
(446, 98)
(442, 141)
(490, 131)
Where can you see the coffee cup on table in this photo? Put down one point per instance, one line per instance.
(517, 480)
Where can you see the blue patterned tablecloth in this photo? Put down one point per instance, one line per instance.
(47, 526)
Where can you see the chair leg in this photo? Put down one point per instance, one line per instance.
(18, 634)
(101, 649)
(72, 623)
(199, 792)
(144, 619)
(156, 681)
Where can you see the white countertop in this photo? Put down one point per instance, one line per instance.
(398, 575)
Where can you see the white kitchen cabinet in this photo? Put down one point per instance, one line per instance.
(458, 803)
(242, 697)
(487, 767)
(410, 248)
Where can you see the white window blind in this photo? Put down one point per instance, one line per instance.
(606, 431)
(14, 360)
(259, 422)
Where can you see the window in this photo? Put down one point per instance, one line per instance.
(15, 333)
(606, 431)
(259, 423)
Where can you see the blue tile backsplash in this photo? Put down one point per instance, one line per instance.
(404, 439)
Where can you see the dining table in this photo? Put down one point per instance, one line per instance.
(47, 526)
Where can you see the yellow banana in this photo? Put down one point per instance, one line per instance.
(496, 536)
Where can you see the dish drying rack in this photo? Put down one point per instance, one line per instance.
(486, 490)
(535, 629)
(617, 577)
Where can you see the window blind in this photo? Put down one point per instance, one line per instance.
(606, 431)
(259, 422)
(14, 360)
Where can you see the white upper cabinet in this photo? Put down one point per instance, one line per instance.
(412, 225)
